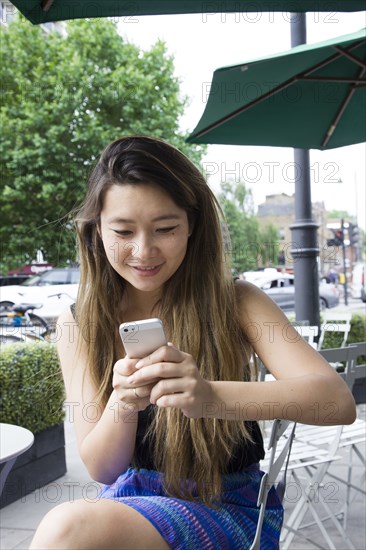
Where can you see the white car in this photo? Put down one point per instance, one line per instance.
(55, 289)
(359, 281)
(281, 288)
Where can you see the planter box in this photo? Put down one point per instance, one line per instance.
(44, 462)
(359, 390)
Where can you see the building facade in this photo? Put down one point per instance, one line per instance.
(279, 210)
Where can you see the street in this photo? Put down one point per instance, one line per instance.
(355, 305)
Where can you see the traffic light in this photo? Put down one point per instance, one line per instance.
(338, 238)
(353, 233)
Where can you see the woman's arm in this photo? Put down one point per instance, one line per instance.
(105, 435)
(307, 389)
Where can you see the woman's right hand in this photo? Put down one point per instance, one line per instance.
(136, 396)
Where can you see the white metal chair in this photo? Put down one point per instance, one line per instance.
(310, 457)
(309, 333)
(321, 447)
(335, 322)
(353, 436)
(276, 462)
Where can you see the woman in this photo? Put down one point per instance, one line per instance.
(176, 438)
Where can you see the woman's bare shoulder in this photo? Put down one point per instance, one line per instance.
(66, 316)
(255, 305)
(247, 293)
(67, 328)
(244, 287)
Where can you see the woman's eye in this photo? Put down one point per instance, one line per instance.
(167, 229)
(123, 233)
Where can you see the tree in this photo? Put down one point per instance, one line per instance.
(269, 246)
(237, 204)
(64, 98)
(249, 246)
(338, 215)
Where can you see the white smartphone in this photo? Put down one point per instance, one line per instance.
(140, 338)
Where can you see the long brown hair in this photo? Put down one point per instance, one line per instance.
(198, 308)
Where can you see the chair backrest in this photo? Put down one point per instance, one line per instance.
(334, 316)
(347, 355)
(360, 369)
(280, 428)
(309, 333)
(335, 322)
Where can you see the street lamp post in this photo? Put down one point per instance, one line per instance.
(304, 250)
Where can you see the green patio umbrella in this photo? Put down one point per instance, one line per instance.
(312, 97)
(43, 11)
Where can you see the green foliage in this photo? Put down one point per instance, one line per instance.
(269, 245)
(357, 334)
(251, 247)
(64, 98)
(338, 215)
(32, 389)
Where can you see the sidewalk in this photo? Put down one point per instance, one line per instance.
(20, 519)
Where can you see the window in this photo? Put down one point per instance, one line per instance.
(282, 233)
(54, 277)
(74, 276)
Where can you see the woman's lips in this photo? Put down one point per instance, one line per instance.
(146, 271)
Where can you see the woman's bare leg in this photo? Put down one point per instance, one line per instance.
(101, 525)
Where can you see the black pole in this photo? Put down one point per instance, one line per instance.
(345, 286)
(305, 250)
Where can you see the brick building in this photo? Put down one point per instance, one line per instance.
(279, 210)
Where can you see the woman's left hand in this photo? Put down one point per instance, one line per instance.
(180, 384)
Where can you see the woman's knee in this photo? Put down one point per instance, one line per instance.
(103, 524)
(61, 527)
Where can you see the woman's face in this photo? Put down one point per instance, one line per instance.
(145, 234)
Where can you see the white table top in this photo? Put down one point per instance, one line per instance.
(14, 441)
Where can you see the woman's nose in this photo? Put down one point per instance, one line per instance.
(145, 247)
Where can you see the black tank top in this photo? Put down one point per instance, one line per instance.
(244, 455)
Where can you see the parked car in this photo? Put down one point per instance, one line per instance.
(358, 281)
(281, 288)
(6, 280)
(54, 289)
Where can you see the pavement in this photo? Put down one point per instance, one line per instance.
(19, 520)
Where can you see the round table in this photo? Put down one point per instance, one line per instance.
(14, 440)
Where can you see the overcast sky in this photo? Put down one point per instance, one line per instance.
(201, 43)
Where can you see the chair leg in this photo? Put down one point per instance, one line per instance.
(327, 538)
(296, 517)
(350, 485)
(353, 450)
(336, 523)
(294, 521)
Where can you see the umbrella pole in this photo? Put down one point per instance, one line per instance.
(304, 249)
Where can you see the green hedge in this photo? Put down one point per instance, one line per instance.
(32, 390)
(357, 334)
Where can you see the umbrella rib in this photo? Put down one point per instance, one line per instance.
(339, 115)
(353, 58)
(46, 5)
(333, 57)
(306, 75)
(242, 109)
(355, 80)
